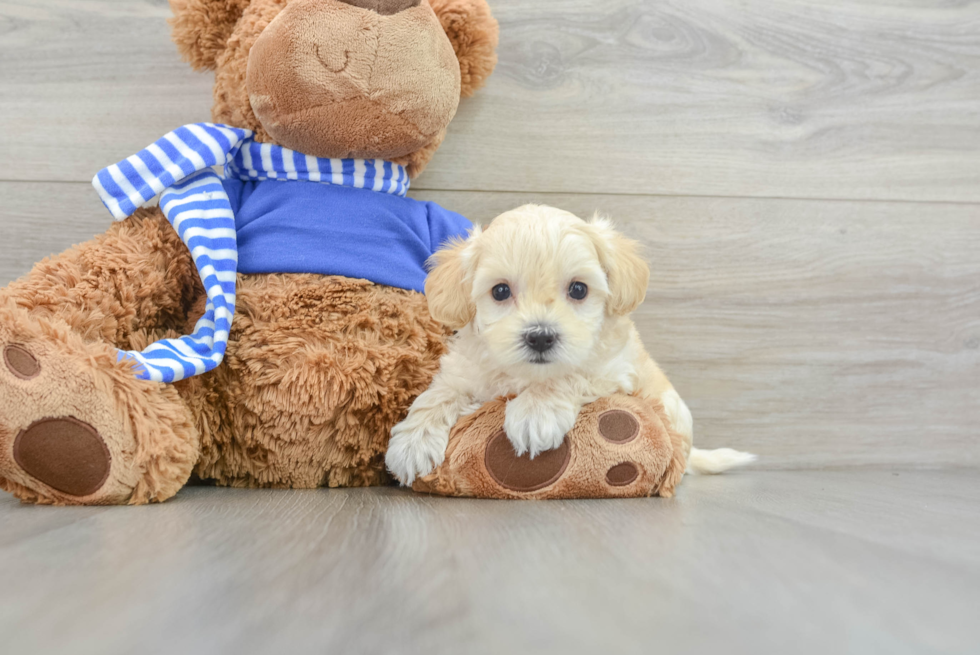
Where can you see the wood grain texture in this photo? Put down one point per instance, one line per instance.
(84, 84)
(770, 562)
(775, 98)
(813, 333)
(42, 219)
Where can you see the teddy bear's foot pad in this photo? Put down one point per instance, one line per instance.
(620, 447)
(63, 433)
(77, 427)
(64, 453)
(521, 473)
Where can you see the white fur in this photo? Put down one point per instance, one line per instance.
(711, 462)
(538, 251)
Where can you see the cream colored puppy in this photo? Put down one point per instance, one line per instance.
(541, 302)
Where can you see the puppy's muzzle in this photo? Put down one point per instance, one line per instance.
(540, 339)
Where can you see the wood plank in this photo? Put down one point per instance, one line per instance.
(785, 98)
(85, 84)
(814, 333)
(802, 562)
(42, 219)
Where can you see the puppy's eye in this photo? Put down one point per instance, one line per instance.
(501, 292)
(578, 290)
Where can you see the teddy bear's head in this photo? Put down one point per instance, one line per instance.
(373, 79)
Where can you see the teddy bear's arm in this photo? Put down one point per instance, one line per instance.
(119, 287)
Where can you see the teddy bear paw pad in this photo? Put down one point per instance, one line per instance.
(64, 453)
(68, 409)
(53, 420)
(620, 447)
(523, 473)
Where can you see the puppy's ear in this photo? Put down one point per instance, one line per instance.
(628, 273)
(449, 287)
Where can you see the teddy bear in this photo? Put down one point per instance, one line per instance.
(265, 328)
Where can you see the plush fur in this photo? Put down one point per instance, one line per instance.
(318, 369)
(535, 256)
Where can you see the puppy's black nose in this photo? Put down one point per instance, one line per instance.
(540, 339)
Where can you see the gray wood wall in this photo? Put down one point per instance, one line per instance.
(805, 176)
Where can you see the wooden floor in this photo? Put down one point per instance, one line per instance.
(806, 178)
(759, 562)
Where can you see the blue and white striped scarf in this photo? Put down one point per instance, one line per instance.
(178, 167)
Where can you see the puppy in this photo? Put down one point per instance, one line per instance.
(541, 302)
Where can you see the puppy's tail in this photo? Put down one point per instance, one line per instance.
(712, 462)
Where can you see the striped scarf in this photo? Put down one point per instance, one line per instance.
(178, 168)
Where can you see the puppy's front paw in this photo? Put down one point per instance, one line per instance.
(534, 425)
(414, 450)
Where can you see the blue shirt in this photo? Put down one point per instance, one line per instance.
(305, 227)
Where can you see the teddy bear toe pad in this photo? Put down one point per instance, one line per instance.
(623, 474)
(20, 362)
(618, 426)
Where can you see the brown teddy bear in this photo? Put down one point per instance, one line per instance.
(299, 272)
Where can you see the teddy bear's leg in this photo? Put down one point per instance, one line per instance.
(76, 425)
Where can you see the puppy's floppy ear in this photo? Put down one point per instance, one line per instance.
(449, 287)
(628, 273)
(201, 28)
(474, 33)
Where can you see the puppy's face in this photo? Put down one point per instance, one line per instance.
(538, 286)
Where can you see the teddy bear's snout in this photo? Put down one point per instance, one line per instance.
(383, 7)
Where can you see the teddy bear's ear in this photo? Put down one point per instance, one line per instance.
(201, 28)
(474, 33)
